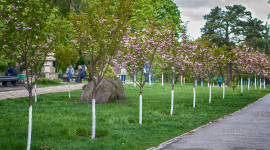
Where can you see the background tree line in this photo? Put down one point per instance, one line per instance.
(233, 26)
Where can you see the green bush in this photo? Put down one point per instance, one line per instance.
(110, 73)
(48, 81)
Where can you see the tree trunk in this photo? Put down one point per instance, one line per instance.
(255, 81)
(140, 109)
(241, 83)
(30, 119)
(210, 91)
(201, 82)
(149, 76)
(264, 82)
(248, 81)
(35, 92)
(194, 94)
(229, 74)
(223, 88)
(180, 76)
(162, 79)
(93, 115)
(260, 82)
(134, 80)
(172, 97)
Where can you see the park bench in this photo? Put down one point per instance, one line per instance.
(6, 81)
(65, 78)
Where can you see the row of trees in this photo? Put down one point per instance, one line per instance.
(92, 30)
(101, 31)
(235, 25)
(200, 58)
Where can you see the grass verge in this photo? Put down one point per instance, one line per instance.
(63, 123)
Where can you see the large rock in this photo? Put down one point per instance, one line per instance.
(108, 90)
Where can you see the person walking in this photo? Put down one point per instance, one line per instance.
(146, 71)
(219, 80)
(123, 73)
(70, 72)
(80, 74)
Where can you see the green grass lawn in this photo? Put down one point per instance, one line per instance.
(57, 120)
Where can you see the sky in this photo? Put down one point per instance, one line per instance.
(194, 10)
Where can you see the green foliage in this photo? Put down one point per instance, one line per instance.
(229, 27)
(3, 63)
(233, 84)
(98, 30)
(110, 73)
(166, 73)
(26, 35)
(159, 9)
(67, 6)
(48, 81)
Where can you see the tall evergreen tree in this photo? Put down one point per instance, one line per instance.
(226, 27)
(254, 34)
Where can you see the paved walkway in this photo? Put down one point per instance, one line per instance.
(52, 89)
(246, 129)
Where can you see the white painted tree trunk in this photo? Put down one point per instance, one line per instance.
(93, 118)
(210, 94)
(241, 85)
(149, 79)
(202, 83)
(35, 93)
(194, 96)
(172, 103)
(255, 83)
(162, 79)
(213, 84)
(181, 80)
(223, 91)
(140, 115)
(260, 83)
(248, 83)
(134, 80)
(264, 82)
(29, 128)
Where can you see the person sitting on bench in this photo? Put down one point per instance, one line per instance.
(11, 71)
(80, 74)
